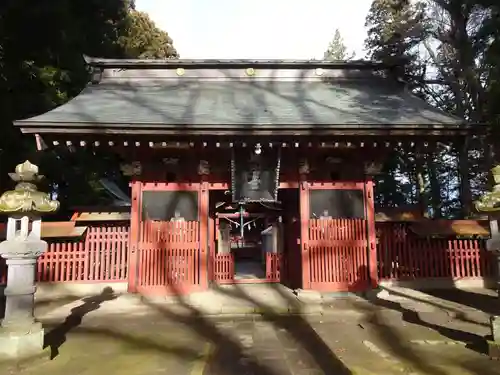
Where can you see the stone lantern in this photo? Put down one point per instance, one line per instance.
(20, 335)
(489, 204)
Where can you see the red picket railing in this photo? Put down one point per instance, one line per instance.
(100, 256)
(338, 257)
(224, 268)
(168, 255)
(402, 255)
(337, 251)
(273, 267)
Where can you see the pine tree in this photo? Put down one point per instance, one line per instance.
(395, 28)
(337, 50)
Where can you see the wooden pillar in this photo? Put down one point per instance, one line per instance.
(372, 237)
(304, 224)
(135, 225)
(204, 171)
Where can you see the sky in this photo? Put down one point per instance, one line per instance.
(258, 29)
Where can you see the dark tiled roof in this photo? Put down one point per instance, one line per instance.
(231, 96)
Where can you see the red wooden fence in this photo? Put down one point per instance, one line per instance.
(338, 254)
(224, 268)
(168, 257)
(100, 256)
(402, 255)
(273, 267)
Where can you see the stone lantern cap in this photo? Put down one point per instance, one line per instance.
(25, 198)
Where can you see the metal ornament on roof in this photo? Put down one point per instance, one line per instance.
(490, 202)
(25, 198)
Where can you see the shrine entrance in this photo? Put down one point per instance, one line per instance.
(247, 219)
(338, 236)
(246, 242)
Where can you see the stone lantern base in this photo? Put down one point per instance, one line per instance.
(493, 349)
(17, 342)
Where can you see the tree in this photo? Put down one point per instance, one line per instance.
(395, 29)
(451, 52)
(337, 50)
(146, 41)
(43, 69)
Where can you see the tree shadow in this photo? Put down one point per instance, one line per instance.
(296, 326)
(486, 301)
(471, 340)
(57, 336)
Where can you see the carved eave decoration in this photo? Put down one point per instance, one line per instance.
(204, 168)
(373, 168)
(490, 202)
(132, 169)
(25, 198)
(171, 161)
(304, 166)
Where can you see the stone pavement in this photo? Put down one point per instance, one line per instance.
(165, 342)
(398, 332)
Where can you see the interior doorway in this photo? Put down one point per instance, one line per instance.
(291, 273)
(246, 240)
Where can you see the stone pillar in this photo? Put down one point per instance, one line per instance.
(20, 334)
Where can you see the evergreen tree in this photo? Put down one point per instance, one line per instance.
(395, 28)
(337, 50)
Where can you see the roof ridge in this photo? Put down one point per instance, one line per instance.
(227, 63)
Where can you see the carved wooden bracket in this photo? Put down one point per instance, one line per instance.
(203, 168)
(132, 169)
(373, 168)
(304, 166)
(170, 161)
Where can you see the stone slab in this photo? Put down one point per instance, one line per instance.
(21, 344)
(493, 350)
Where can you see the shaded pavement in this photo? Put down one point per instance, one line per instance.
(108, 335)
(248, 345)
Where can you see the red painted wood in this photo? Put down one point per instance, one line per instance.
(103, 256)
(372, 237)
(204, 237)
(135, 216)
(169, 257)
(304, 232)
(224, 268)
(405, 256)
(75, 260)
(273, 267)
(338, 254)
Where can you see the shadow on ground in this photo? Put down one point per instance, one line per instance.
(393, 341)
(57, 336)
(231, 356)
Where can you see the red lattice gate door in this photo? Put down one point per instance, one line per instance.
(169, 242)
(339, 246)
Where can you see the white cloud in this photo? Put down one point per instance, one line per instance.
(258, 29)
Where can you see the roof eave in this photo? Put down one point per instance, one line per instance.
(30, 127)
(236, 63)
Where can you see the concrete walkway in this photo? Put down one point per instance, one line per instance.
(277, 299)
(164, 340)
(256, 329)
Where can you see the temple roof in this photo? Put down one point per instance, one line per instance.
(171, 96)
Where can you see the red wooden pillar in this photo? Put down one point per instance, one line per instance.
(304, 231)
(204, 238)
(372, 237)
(135, 224)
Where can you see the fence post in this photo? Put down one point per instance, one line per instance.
(135, 222)
(372, 237)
